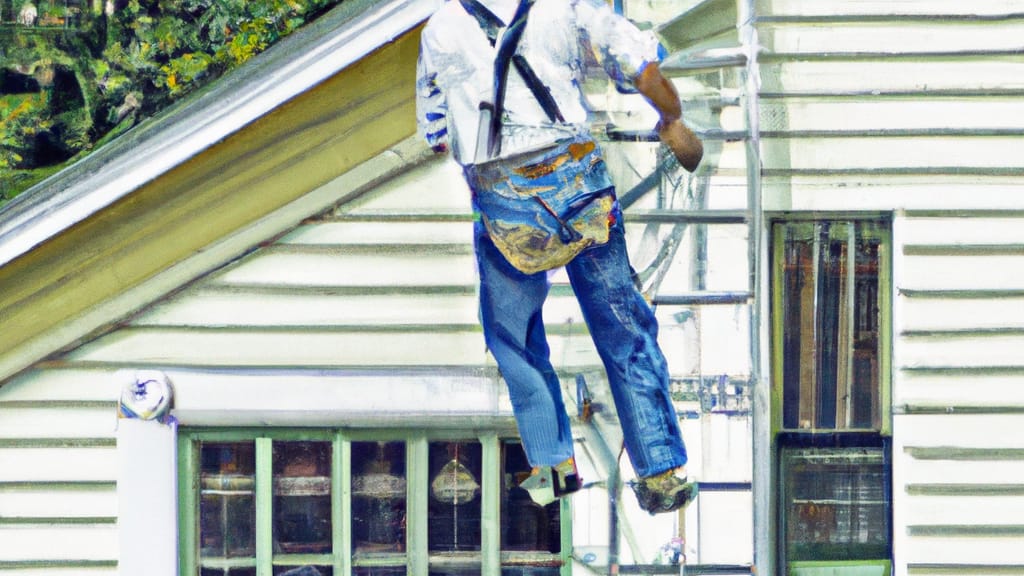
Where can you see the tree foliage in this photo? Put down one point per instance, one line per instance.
(112, 70)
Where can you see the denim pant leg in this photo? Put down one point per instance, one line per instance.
(510, 312)
(625, 333)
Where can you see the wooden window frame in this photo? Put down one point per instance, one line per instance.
(417, 556)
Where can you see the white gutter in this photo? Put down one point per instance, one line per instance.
(299, 62)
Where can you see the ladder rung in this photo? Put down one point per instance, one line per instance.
(690, 216)
(703, 298)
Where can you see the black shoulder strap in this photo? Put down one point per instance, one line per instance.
(491, 24)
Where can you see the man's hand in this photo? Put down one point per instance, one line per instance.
(685, 145)
(662, 95)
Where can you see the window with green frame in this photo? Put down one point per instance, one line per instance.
(259, 503)
(831, 310)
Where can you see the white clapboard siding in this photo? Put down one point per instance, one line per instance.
(73, 421)
(62, 386)
(831, 8)
(59, 501)
(946, 390)
(62, 542)
(968, 272)
(942, 36)
(878, 115)
(895, 152)
(882, 76)
(58, 464)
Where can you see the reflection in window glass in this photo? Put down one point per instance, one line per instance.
(303, 571)
(455, 473)
(830, 313)
(836, 504)
(302, 497)
(378, 497)
(227, 572)
(525, 525)
(227, 506)
(386, 571)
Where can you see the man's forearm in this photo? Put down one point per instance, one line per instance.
(660, 92)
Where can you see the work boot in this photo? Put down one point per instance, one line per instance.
(549, 483)
(664, 492)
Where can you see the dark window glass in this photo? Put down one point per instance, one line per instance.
(378, 498)
(454, 503)
(525, 525)
(836, 503)
(302, 497)
(227, 507)
(830, 322)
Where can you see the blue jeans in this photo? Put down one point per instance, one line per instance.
(624, 331)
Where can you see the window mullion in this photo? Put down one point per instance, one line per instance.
(417, 473)
(341, 505)
(264, 507)
(851, 323)
(188, 510)
(490, 509)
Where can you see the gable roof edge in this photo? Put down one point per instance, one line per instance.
(299, 62)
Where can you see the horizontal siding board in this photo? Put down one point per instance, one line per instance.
(870, 190)
(967, 351)
(62, 386)
(871, 113)
(924, 389)
(977, 431)
(415, 269)
(963, 549)
(962, 272)
(61, 568)
(283, 348)
(380, 232)
(963, 229)
(961, 314)
(893, 37)
(434, 187)
(832, 8)
(57, 422)
(895, 152)
(58, 464)
(964, 510)
(241, 308)
(948, 75)
(69, 501)
(74, 542)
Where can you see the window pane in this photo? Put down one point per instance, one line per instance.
(378, 497)
(227, 510)
(830, 321)
(525, 525)
(302, 497)
(227, 572)
(388, 571)
(303, 571)
(836, 503)
(455, 472)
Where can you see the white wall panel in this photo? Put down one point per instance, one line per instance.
(951, 390)
(57, 464)
(967, 510)
(887, 114)
(950, 350)
(963, 550)
(963, 272)
(865, 77)
(933, 36)
(885, 7)
(981, 431)
(77, 542)
(962, 313)
(56, 502)
(62, 385)
(91, 422)
(892, 152)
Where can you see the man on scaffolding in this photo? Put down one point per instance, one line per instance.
(545, 200)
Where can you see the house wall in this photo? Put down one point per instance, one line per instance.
(915, 109)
